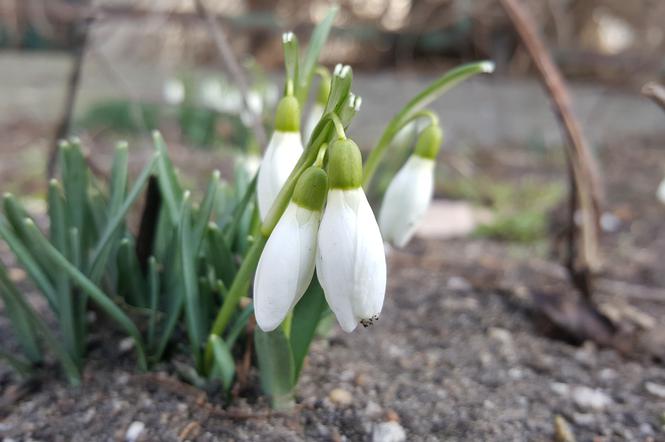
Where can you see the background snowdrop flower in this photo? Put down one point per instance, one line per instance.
(281, 155)
(286, 266)
(350, 261)
(410, 192)
(318, 107)
(174, 91)
(660, 193)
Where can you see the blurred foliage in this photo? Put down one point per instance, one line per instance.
(520, 209)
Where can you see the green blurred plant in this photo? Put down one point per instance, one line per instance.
(189, 266)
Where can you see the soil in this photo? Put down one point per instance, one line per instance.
(458, 353)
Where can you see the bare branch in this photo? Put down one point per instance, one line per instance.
(583, 246)
(236, 71)
(656, 92)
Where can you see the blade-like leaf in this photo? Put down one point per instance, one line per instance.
(131, 282)
(220, 256)
(26, 259)
(59, 238)
(276, 367)
(102, 249)
(190, 280)
(308, 65)
(25, 333)
(118, 178)
(306, 317)
(68, 365)
(168, 182)
(224, 361)
(204, 212)
(153, 289)
(99, 297)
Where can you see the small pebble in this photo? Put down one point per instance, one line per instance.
(340, 397)
(589, 398)
(388, 432)
(134, 431)
(562, 430)
(655, 389)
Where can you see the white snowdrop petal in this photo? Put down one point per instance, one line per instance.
(351, 262)
(280, 157)
(286, 266)
(406, 200)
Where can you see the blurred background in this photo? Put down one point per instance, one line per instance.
(111, 69)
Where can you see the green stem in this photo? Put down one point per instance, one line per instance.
(426, 96)
(241, 281)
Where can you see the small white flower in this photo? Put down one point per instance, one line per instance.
(174, 91)
(660, 193)
(249, 163)
(313, 118)
(407, 199)
(350, 261)
(278, 161)
(286, 266)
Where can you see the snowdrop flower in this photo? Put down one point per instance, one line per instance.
(174, 91)
(286, 266)
(350, 261)
(660, 193)
(281, 155)
(410, 192)
(318, 107)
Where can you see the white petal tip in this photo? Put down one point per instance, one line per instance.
(488, 67)
(287, 37)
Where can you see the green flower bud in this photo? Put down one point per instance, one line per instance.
(323, 92)
(429, 142)
(287, 117)
(311, 189)
(345, 165)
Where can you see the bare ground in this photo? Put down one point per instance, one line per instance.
(457, 355)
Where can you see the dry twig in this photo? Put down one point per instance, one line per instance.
(656, 92)
(583, 242)
(236, 71)
(64, 125)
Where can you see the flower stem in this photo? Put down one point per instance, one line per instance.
(426, 96)
(241, 282)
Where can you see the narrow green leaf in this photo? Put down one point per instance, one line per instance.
(276, 367)
(68, 365)
(102, 249)
(316, 43)
(239, 325)
(204, 212)
(220, 256)
(153, 289)
(224, 361)
(131, 281)
(99, 297)
(291, 56)
(231, 229)
(15, 214)
(24, 368)
(118, 177)
(192, 301)
(74, 172)
(168, 182)
(25, 333)
(26, 259)
(59, 238)
(306, 317)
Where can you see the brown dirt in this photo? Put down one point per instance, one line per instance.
(457, 355)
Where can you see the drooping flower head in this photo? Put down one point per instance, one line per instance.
(350, 261)
(286, 266)
(281, 155)
(410, 192)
